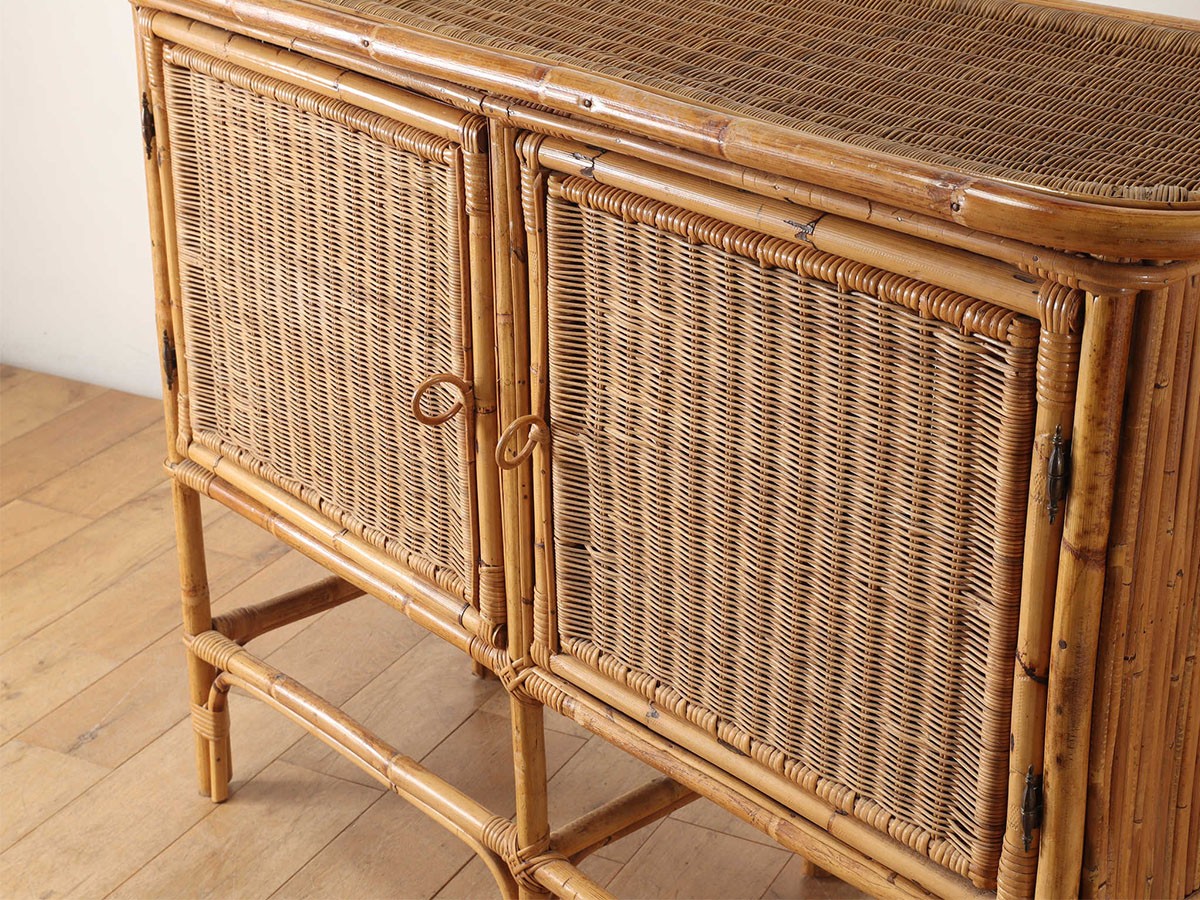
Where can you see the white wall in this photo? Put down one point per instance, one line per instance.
(75, 285)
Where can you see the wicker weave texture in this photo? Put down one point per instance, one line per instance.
(320, 252)
(792, 510)
(1067, 101)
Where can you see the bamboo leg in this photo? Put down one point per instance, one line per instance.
(220, 762)
(529, 758)
(197, 618)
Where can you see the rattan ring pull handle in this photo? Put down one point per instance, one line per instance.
(464, 388)
(539, 433)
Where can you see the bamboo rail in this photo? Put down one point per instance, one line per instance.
(248, 622)
(1088, 273)
(623, 815)
(813, 841)
(321, 78)
(951, 269)
(472, 823)
(421, 602)
(318, 528)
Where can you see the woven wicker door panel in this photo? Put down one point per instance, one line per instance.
(320, 267)
(786, 508)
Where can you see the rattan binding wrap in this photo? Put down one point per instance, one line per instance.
(788, 504)
(995, 88)
(320, 254)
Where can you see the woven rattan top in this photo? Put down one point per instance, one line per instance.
(1065, 101)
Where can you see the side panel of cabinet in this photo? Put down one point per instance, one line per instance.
(1142, 791)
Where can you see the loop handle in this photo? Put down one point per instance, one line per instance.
(539, 433)
(464, 388)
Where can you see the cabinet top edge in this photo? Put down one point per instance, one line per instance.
(976, 196)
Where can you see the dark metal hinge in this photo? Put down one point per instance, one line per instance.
(1033, 806)
(1058, 472)
(148, 133)
(168, 360)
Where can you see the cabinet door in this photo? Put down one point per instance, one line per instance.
(788, 505)
(324, 271)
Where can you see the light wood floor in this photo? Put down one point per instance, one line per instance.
(97, 790)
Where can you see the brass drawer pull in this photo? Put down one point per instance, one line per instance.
(464, 388)
(539, 433)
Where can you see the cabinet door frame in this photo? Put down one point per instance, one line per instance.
(1056, 311)
(431, 130)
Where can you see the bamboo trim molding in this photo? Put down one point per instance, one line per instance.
(977, 203)
(1083, 272)
(954, 270)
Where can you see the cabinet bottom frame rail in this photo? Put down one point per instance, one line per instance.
(816, 841)
(423, 605)
(491, 836)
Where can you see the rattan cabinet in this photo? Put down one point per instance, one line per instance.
(803, 397)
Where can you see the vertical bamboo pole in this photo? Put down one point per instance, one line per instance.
(193, 575)
(1108, 768)
(511, 360)
(482, 326)
(1057, 377)
(163, 161)
(1184, 583)
(533, 200)
(533, 827)
(512, 354)
(1148, 808)
(529, 756)
(149, 64)
(197, 616)
(1081, 571)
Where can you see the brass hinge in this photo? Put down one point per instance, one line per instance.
(148, 132)
(1058, 472)
(168, 359)
(1033, 806)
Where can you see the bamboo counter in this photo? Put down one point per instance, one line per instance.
(805, 398)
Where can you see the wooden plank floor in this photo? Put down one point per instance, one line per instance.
(97, 791)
